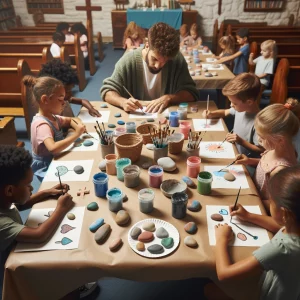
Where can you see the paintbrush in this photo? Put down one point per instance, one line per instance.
(238, 157)
(62, 189)
(224, 139)
(86, 131)
(132, 97)
(207, 104)
(236, 200)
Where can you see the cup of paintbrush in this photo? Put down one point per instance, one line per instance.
(107, 144)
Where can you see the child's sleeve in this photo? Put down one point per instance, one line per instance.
(43, 131)
(83, 39)
(270, 67)
(64, 122)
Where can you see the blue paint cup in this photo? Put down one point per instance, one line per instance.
(174, 119)
(115, 199)
(100, 184)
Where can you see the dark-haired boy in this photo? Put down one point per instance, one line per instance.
(58, 39)
(158, 73)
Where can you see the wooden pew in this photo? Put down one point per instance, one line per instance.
(287, 48)
(272, 32)
(294, 60)
(8, 135)
(10, 33)
(259, 27)
(278, 39)
(13, 92)
(294, 79)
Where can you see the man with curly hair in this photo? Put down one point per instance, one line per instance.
(158, 73)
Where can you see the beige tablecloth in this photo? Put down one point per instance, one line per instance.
(52, 274)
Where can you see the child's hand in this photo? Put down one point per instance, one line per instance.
(56, 190)
(233, 138)
(65, 202)
(206, 113)
(241, 159)
(223, 233)
(80, 129)
(251, 55)
(94, 112)
(239, 212)
(131, 104)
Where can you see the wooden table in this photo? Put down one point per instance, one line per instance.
(52, 274)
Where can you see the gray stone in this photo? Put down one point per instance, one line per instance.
(118, 115)
(167, 163)
(162, 233)
(103, 106)
(190, 242)
(150, 120)
(135, 232)
(102, 165)
(155, 249)
(102, 233)
(71, 216)
(78, 169)
(111, 126)
(229, 176)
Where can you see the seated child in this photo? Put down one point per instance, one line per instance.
(80, 29)
(277, 262)
(242, 55)
(133, 36)
(63, 27)
(194, 39)
(58, 40)
(67, 75)
(184, 32)
(242, 92)
(47, 137)
(227, 44)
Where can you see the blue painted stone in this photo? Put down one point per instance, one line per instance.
(93, 206)
(189, 182)
(103, 106)
(111, 125)
(223, 212)
(118, 115)
(150, 120)
(88, 143)
(120, 122)
(194, 206)
(190, 227)
(78, 140)
(96, 225)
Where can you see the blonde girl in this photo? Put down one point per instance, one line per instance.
(276, 126)
(277, 262)
(133, 36)
(264, 64)
(227, 44)
(184, 32)
(47, 137)
(194, 39)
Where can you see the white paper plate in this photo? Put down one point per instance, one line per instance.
(173, 233)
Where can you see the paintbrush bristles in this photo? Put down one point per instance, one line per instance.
(194, 140)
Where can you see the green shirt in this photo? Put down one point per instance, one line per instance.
(129, 72)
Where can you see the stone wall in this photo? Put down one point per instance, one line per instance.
(208, 12)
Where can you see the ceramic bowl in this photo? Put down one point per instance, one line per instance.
(171, 186)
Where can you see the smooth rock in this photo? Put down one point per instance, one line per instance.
(167, 163)
(78, 169)
(208, 74)
(71, 216)
(149, 226)
(115, 244)
(146, 237)
(103, 106)
(156, 249)
(140, 246)
(150, 120)
(229, 176)
(167, 242)
(111, 126)
(88, 143)
(162, 233)
(135, 232)
(189, 182)
(194, 205)
(190, 227)
(102, 165)
(77, 144)
(118, 115)
(217, 217)
(190, 242)
(93, 206)
(102, 233)
(121, 122)
(147, 165)
(78, 140)
(122, 217)
(96, 225)
(150, 146)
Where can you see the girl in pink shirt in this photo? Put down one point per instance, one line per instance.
(47, 137)
(132, 36)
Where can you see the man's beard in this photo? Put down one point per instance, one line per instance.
(153, 71)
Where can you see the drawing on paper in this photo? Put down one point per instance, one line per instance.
(65, 228)
(62, 170)
(223, 212)
(64, 241)
(241, 236)
(214, 148)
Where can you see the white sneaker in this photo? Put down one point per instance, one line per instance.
(87, 289)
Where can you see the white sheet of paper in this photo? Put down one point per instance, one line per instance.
(84, 137)
(212, 67)
(70, 175)
(212, 150)
(220, 183)
(71, 230)
(210, 59)
(212, 125)
(261, 233)
(207, 53)
(139, 115)
(87, 118)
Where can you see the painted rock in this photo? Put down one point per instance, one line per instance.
(162, 120)
(150, 146)
(208, 74)
(190, 227)
(96, 225)
(146, 237)
(194, 205)
(118, 115)
(149, 226)
(140, 246)
(167, 163)
(71, 216)
(78, 140)
(162, 233)
(190, 242)
(150, 120)
(102, 165)
(111, 126)
(217, 217)
(78, 169)
(115, 244)
(88, 143)
(103, 106)
(93, 206)
(147, 165)
(189, 182)
(102, 233)
(121, 122)
(77, 144)
(167, 242)
(135, 232)
(125, 198)
(229, 176)
(122, 217)
(155, 249)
